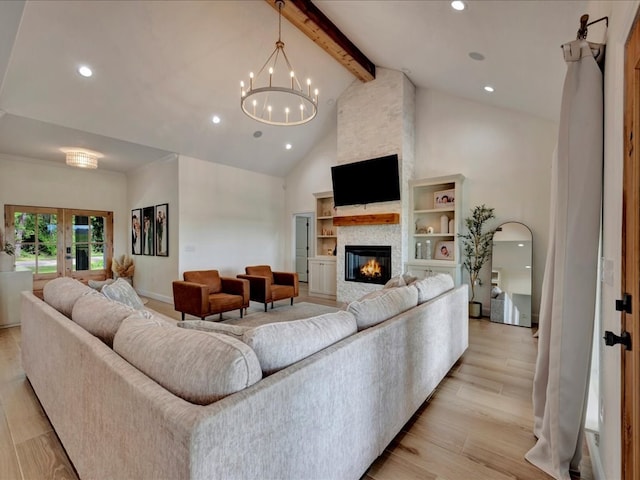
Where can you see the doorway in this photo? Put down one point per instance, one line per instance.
(60, 242)
(303, 232)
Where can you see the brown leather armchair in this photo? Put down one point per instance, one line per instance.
(205, 292)
(267, 286)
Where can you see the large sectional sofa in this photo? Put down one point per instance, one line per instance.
(132, 396)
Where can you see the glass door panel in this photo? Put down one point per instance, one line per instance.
(36, 238)
(87, 249)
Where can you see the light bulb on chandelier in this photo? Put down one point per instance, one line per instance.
(271, 103)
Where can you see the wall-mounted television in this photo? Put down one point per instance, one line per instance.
(367, 181)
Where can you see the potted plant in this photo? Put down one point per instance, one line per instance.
(476, 249)
(7, 254)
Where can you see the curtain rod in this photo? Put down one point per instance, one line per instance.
(582, 31)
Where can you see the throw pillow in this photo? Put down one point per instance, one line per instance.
(200, 367)
(371, 311)
(235, 331)
(400, 281)
(121, 291)
(495, 291)
(432, 286)
(278, 345)
(98, 284)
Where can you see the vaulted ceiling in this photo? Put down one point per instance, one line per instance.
(162, 69)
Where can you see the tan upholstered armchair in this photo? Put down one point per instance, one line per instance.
(205, 292)
(267, 286)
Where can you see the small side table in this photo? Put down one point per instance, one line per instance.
(11, 284)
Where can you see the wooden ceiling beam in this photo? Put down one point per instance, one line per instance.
(315, 25)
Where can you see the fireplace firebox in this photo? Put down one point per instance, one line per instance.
(367, 264)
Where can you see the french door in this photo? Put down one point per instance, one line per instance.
(61, 242)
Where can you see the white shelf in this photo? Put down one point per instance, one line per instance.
(322, 268)
(424, 214)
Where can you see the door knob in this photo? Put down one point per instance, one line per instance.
(611, 339)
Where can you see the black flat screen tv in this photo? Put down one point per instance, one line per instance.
(367, 181)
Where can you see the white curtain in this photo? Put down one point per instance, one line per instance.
(567, 307)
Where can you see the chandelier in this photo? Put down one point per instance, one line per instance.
(82, 158)
(275, 97)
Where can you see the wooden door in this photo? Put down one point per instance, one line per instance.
(631, 260)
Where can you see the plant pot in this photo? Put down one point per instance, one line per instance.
(475, 309)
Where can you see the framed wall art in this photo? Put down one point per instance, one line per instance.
(444, 198)
(148, 236)
(162, 230)
(444, 251)
(136, 234)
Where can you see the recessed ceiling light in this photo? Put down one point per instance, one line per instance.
(521, 244)
(288, 146)
(85, 71)
(527, 266)
(215, 119)
(257, 134)
(489, 88)
(458, 5)
(476, 56)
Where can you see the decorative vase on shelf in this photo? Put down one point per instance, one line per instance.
(444, 224)
(7, 262)
(452, 227)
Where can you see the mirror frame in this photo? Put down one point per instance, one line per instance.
(504, 303)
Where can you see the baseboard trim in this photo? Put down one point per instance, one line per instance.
(155, 296)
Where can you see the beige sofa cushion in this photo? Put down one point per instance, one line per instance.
(383, 305)
(281, 344)
(100, 316)
(200, 367)
(431, 287)
(63, 292)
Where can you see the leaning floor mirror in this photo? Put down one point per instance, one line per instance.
(511, 275)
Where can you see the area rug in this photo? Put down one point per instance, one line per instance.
(281, 313)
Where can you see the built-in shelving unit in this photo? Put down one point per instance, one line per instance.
(322, 267)
(435, 221)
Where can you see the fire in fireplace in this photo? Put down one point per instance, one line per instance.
(367, 264)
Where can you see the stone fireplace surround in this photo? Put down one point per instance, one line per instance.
(369, 128)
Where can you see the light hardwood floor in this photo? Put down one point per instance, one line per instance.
(477, 425)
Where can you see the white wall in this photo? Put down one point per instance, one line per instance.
(311, 175)
(148, 186)
(505, 157)
(230, 218)
(621, 15)
(25, 181)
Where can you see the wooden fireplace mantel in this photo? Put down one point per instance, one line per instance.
(372, 219)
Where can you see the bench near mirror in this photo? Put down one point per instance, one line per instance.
(511, 274)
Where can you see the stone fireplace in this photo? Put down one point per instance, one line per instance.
(367, 263)
(369, 129)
